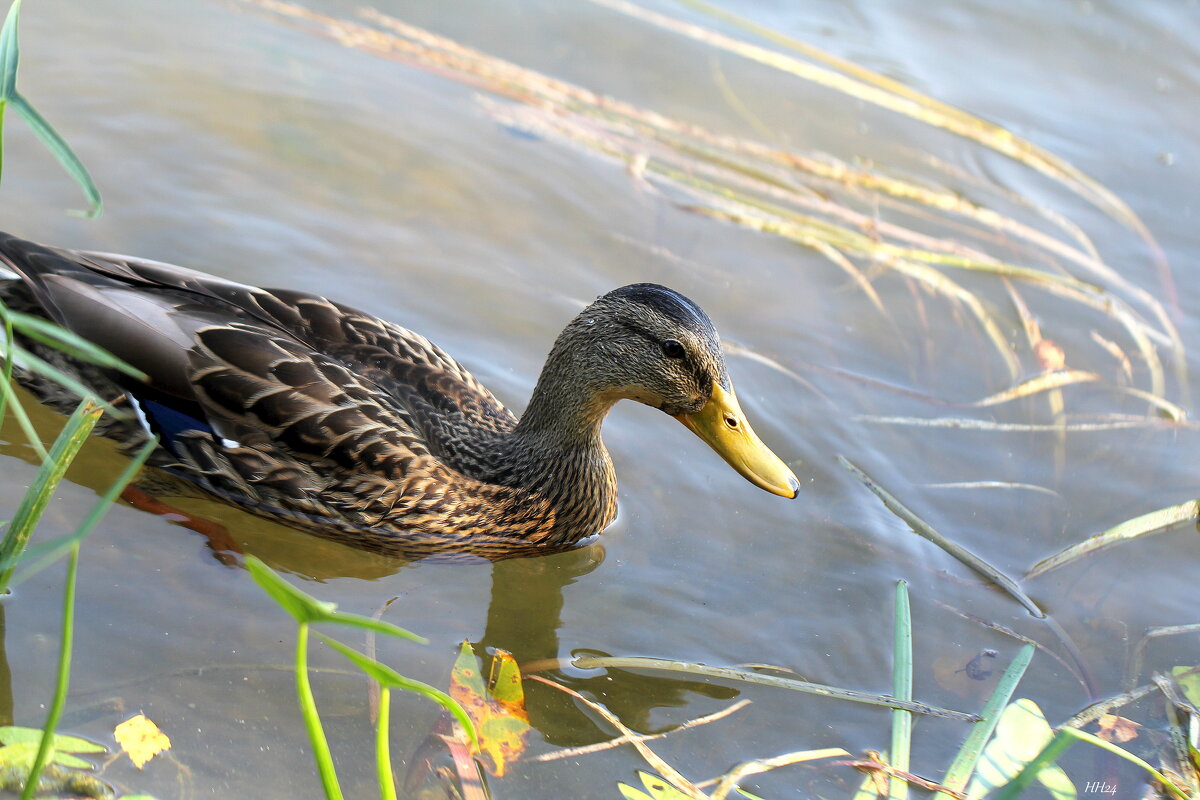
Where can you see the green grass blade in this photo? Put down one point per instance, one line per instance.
(307, 609)
(68, 443)
(383, 751)
(303, 607)
(62, 151)
(923, 529)
(964, 763)
(62, 684)
(388, 678)
(1125, 754)
(747, 676)
(902, 680)
(9, 52)
(312, 720)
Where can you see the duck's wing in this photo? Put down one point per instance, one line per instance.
(255, 366)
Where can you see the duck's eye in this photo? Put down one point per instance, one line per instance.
(672, 349)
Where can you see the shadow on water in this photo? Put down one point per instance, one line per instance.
(524, 616)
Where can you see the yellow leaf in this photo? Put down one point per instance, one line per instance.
(499, 713)
(141, 739)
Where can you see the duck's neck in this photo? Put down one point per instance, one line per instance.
(556, 451)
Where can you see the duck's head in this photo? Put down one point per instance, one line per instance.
(648, 343)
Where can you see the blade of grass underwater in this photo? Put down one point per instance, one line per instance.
(669, 773)
(902, 680)
(62, 151)
(1112, 423)
(1144, 525)
(923, 529)
(68, 443)
(1134, 670)
(963, 766)
(871, 88)
(746, 676)
(729, 781)
(583, 750)
(1045, 382)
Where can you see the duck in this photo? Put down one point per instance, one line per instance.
(309, 412)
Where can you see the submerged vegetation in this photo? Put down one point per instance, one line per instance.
(831, 208)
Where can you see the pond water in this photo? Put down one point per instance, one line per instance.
(234, 139)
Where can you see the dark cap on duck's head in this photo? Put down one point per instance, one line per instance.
(649, 343)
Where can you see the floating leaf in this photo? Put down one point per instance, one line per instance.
(11, 734)
(499, 714)
(1021, 734)
(141, 739)
(21, 746)
(1189, 681)
(658, 789)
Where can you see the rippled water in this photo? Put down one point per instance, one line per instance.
(225, 140)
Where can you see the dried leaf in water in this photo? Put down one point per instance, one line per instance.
(1050, 355)
(499, 713)
(1117, 729)
(141, 739)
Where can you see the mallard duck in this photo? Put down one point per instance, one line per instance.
(304, 410)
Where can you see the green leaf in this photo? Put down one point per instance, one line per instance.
(9, 52)
(390, 679)
(11, 734)
(1189, 681)
(629, 793)
(1021, 734)
(19, 755)
(61, 150)
(22, 755)
(305, 608)
(659, 789)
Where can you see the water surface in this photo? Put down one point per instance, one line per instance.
(229, 142)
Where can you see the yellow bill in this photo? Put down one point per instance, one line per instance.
(724, 427)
